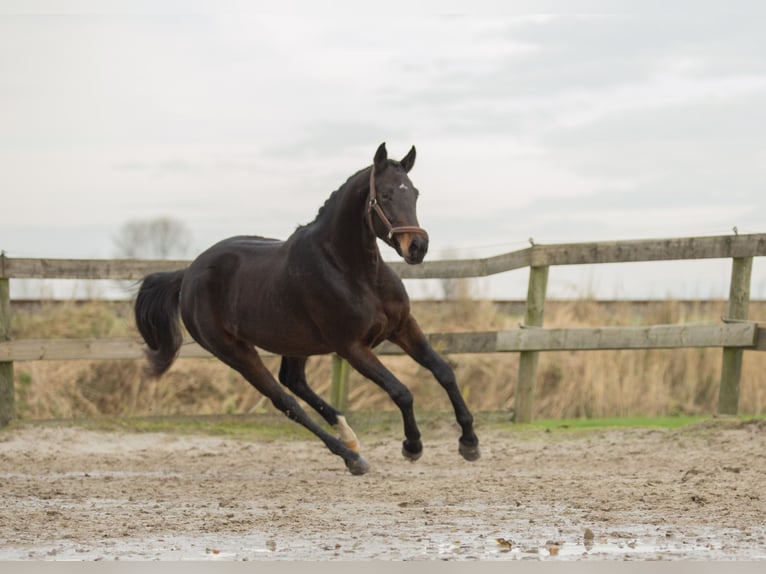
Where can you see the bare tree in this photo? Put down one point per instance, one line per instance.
(160, 238)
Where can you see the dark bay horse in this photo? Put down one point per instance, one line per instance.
(325, 289)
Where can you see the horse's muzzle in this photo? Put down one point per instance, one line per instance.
(415, 252)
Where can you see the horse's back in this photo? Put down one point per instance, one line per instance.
(225, 268)
(245, 244)
(237, 251)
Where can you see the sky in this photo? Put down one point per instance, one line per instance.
(555, 121)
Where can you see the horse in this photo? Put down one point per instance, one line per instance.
(325, 289)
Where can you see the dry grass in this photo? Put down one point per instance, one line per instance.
(570, 384)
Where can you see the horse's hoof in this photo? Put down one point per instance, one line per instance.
(410, 455)
(469, 453)
(358, 466)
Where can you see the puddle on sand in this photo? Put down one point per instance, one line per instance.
(607, 549)
(353, 547)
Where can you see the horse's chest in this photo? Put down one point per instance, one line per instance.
(383, 322)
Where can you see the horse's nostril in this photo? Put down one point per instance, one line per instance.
(418, 247)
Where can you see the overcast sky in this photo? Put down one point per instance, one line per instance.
(558, 121)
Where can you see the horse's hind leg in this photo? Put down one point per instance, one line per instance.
(245, 359)
(292, 374)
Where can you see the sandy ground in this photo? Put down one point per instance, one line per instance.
(693, 493)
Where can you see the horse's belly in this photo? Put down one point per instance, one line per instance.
(281, 334)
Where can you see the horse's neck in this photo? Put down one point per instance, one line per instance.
(347, 233)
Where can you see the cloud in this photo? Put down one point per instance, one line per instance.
(542, 120)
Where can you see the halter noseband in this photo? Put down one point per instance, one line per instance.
(372, 204)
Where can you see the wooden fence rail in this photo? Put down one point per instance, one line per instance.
(735, 335)
(742, 336)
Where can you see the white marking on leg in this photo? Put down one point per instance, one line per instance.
(346, 434)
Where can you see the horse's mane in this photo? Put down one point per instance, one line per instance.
(330, 202)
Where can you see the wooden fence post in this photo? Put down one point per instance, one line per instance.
(533, 317)
(7, 392)
(731, 369)
(339, 388)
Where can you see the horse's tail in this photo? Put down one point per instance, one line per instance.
(157, 319)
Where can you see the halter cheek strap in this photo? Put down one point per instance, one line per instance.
(373, 205)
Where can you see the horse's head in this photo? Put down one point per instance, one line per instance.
(391, 208)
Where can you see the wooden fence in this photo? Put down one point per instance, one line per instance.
(734, 334)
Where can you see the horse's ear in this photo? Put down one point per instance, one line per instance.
(381, 156)
(409, 160)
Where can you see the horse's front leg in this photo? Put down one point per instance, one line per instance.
(413, 342)
(364, 360)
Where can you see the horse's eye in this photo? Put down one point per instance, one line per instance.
(386, 194)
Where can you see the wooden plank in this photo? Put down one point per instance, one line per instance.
(731, 365)
(66, 349)
(7, 389)
(590, 339)
(339, 385)
(451, 269)
(5, 310)
(614, 338)
(464, 268)
(743, 335)
(114, 348)
(451, 343)
(537, 256)
(724, 246)
(90, 349)
(533, 317)
(117, 269)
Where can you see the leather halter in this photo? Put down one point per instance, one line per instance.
(373, 205)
